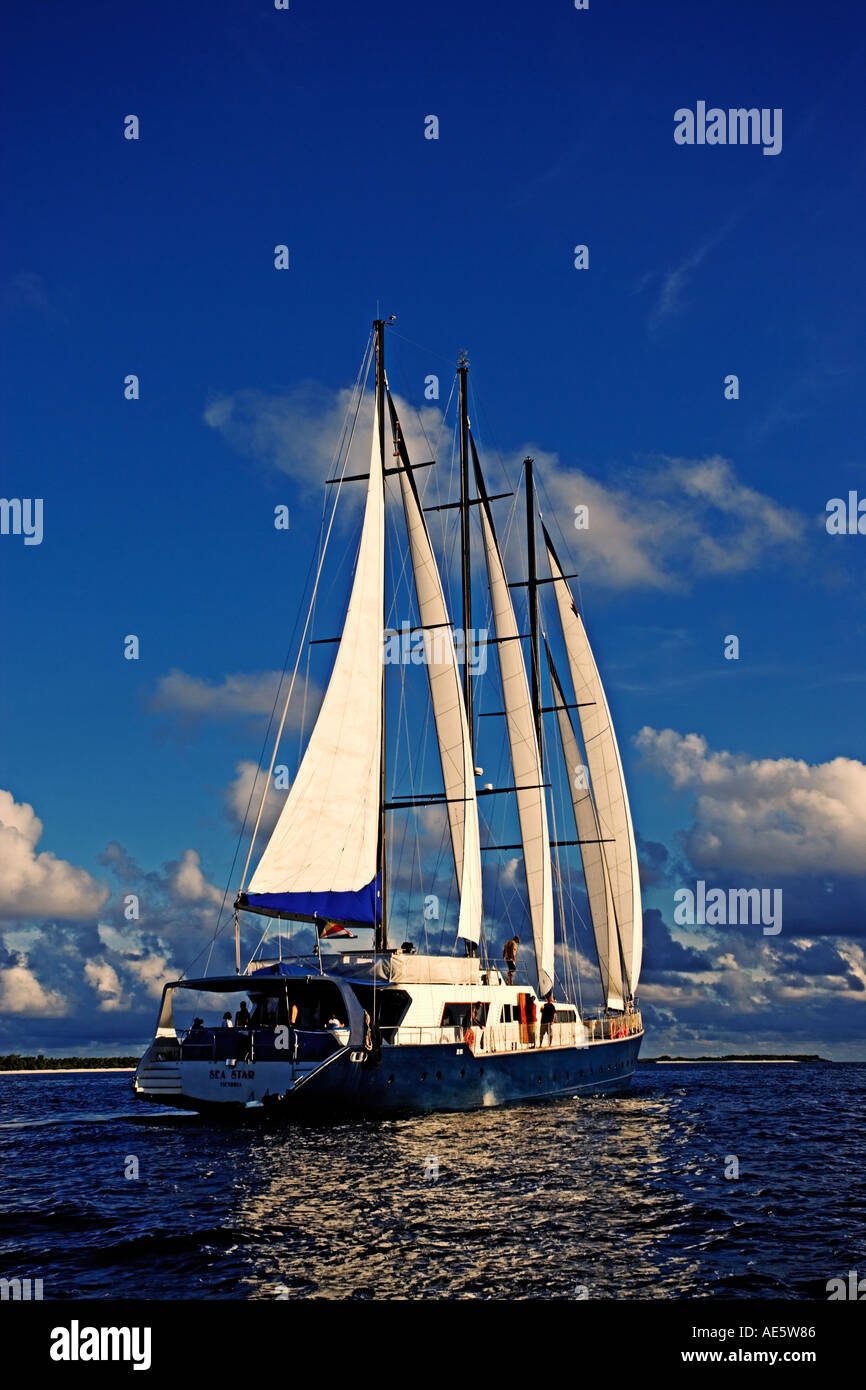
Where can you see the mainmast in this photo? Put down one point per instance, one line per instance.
(381, 926)
(532, 591)
(466, 565)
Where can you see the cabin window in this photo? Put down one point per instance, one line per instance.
(387, 1006)
(564, 1016)
(459, 1015)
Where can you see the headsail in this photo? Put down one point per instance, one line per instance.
(606, 775)
(449, 710)
(591, 852)
(525, 753)
(322, 857)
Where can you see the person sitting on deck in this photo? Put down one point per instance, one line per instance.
(548, 1014)
(198, 1033)
(509, 953)
(227, 1020)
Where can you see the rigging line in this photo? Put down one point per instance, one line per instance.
(430, 352)
(304, 633)
(565, 553)
(261, 943)
(412, 408)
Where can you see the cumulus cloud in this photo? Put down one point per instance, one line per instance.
(106, 981)
(774, 815)
(670, 524)
(187, 883)
(236, 695)
(303, 430)
(34, 884)
(243, 795)
(663, 525)
(21, 993)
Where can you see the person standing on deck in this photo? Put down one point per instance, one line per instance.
(509, 954)
(548, 1014)
(531, 1016)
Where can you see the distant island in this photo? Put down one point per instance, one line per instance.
(745, 1057)
(12, 1062)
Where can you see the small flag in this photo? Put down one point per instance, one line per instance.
(333, 929)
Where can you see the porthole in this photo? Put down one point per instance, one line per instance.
(480, 1071)
(438, 1076)
(462, 1071)
(423, 1076)
(539, 1081)
(391, 1079)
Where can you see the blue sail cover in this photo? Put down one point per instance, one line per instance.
(362, 905)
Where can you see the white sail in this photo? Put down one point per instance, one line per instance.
(606, 775)
(449, 712)
(525, 759)
(322, 857)
(594, 868)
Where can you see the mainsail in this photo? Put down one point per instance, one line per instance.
(606, 775)
(449, 710)
(322, 857)
(595, 873)
(525, 753)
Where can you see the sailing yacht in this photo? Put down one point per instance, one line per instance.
(357, 1024)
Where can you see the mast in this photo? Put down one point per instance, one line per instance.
(466, 567)
(381, 927)
(533, 603)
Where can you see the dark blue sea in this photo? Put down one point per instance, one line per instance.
(613, 1198)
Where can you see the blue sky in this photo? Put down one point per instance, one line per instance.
(155, 257)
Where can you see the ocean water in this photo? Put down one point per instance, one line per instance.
(609, 1198)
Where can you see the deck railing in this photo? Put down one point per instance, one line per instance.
(515, 1037)
(252, 1045)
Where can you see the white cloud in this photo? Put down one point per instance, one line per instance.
(153, 972)
(663, 525)
(669, 525)
(39, 884)
(301, 431)
(21, 993)
(778, 815)
(187, 883)
(105, 980)
(252, 694)
(240, 804)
